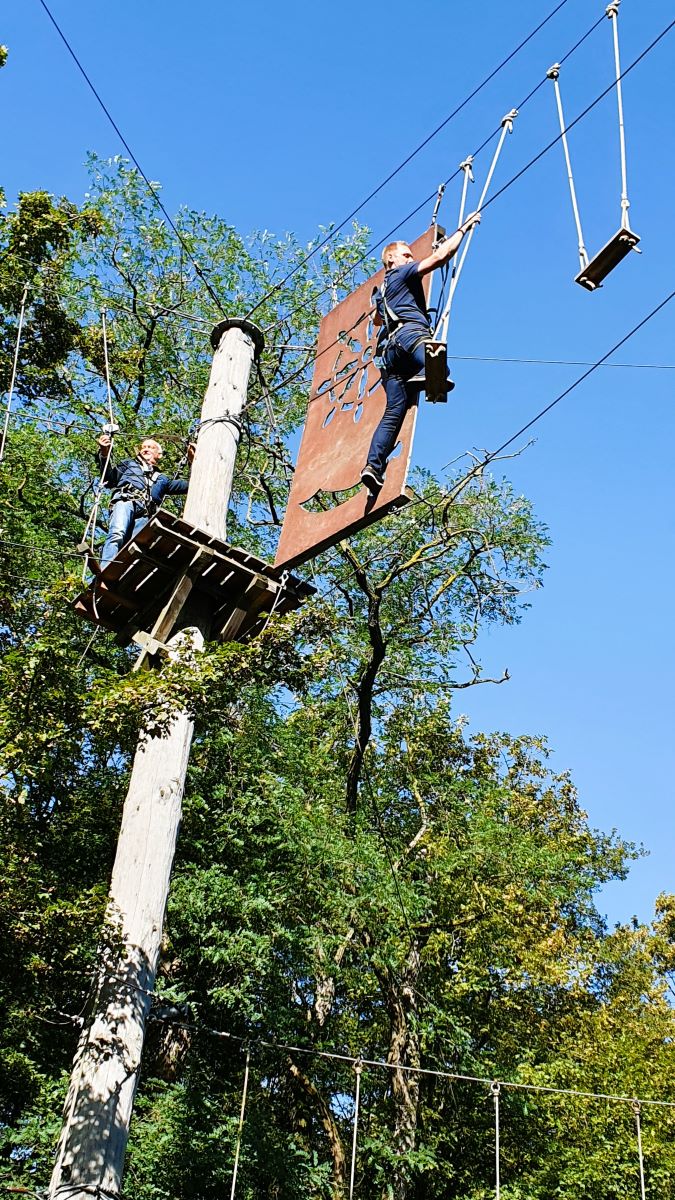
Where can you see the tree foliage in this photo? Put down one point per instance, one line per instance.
(358, 876)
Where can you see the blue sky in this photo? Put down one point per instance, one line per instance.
(285, 117)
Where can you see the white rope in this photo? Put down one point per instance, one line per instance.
(104, 328)
(90, 527)
(442, 327)
(507, 127)
(241, 1125)
(636, 1110)
(358, 1067)
(494, 1089)
(612, 11)
(553, 73)
(14, 369)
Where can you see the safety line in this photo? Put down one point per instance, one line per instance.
(627, 70)
(214, 296)
(581, 378)
(435, 1072)
(15, 363)
(427, 199)
(498, 193)
(409, 158)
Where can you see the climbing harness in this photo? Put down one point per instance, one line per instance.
(592, 272)
(15, 363)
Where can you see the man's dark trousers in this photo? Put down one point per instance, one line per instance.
(399, 366)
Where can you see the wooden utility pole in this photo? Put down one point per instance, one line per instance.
(97, 1111)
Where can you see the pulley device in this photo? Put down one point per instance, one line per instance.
(593, 271)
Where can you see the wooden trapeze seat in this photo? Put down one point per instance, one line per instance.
(435, 382)
(617, 248)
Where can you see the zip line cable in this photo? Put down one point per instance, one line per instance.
(214, 296)
(294, 375)
(488, 79)
(352, 1060)
(15, 363)
(414, 212)
(434, 1072)
(581, 378)
(159, 202)
(427, 199)
(581, 115)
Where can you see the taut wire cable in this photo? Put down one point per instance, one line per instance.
(494, 1091)
(15, 364)
(214, 296)
(336, 229)
(358, 1068)
(638, 1126)
(240, 1128)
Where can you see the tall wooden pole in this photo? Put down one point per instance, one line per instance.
(97, 1111)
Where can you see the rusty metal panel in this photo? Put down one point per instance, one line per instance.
(346, 403)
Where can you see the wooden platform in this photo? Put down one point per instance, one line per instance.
(607, 259)
(169, 559)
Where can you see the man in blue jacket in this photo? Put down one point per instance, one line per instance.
(401, 312)
(138, 489)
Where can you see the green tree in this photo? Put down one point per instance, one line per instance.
(357, 874)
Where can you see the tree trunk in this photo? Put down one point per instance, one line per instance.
(404, 1051)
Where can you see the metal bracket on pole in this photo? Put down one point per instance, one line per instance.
(553, 74)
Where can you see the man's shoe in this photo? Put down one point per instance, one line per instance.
(371, 479)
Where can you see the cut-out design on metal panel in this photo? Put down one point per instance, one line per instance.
(347, 400)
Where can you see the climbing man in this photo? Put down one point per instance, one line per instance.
(401, 312)
(138, 489)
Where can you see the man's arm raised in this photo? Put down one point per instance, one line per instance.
(449, 247)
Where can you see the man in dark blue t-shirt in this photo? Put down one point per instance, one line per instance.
(401, 313)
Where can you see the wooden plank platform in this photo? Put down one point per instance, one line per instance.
(617, 248)
(130, 594)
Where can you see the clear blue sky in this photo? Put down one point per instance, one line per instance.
(276, 117)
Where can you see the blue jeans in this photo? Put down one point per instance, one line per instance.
(126, 518)
(399, 366)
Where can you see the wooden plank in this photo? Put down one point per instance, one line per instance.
(247, 605)
(614, 252)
